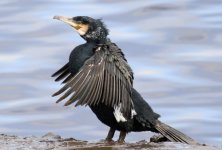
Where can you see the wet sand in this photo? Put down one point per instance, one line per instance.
(52, 141)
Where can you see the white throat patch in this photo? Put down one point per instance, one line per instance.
(82, 29)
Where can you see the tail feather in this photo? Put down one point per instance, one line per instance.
(172, 134)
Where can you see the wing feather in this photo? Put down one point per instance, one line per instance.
(67, 78)
(63, 75)
(65, 67)
(104, 78)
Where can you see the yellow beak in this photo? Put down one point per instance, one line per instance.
(69, 21)
(80, 28)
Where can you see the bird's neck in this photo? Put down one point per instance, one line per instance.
(95, 39)
(98, 41)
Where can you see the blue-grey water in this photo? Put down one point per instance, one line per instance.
(174, 48)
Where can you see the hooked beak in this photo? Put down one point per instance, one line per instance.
(69, 21)
(82, 29)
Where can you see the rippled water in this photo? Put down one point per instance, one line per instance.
(174, 48)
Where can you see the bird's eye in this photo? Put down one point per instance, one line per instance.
(85, 22)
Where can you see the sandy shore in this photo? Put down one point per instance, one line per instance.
(51, 141)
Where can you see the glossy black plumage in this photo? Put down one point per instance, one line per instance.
(99, 76)
(104, 78)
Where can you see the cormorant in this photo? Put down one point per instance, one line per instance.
(98, 75)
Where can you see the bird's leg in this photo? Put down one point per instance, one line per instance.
(110, 135)
(122, 136)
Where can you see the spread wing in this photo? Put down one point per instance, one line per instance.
(104, 78)
(63, 73)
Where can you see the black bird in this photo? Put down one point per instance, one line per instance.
(98, 75)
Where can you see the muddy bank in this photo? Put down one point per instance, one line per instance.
(51, 141)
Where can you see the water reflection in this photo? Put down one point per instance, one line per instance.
(174, 48)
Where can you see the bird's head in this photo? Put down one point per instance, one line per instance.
(90, 29)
